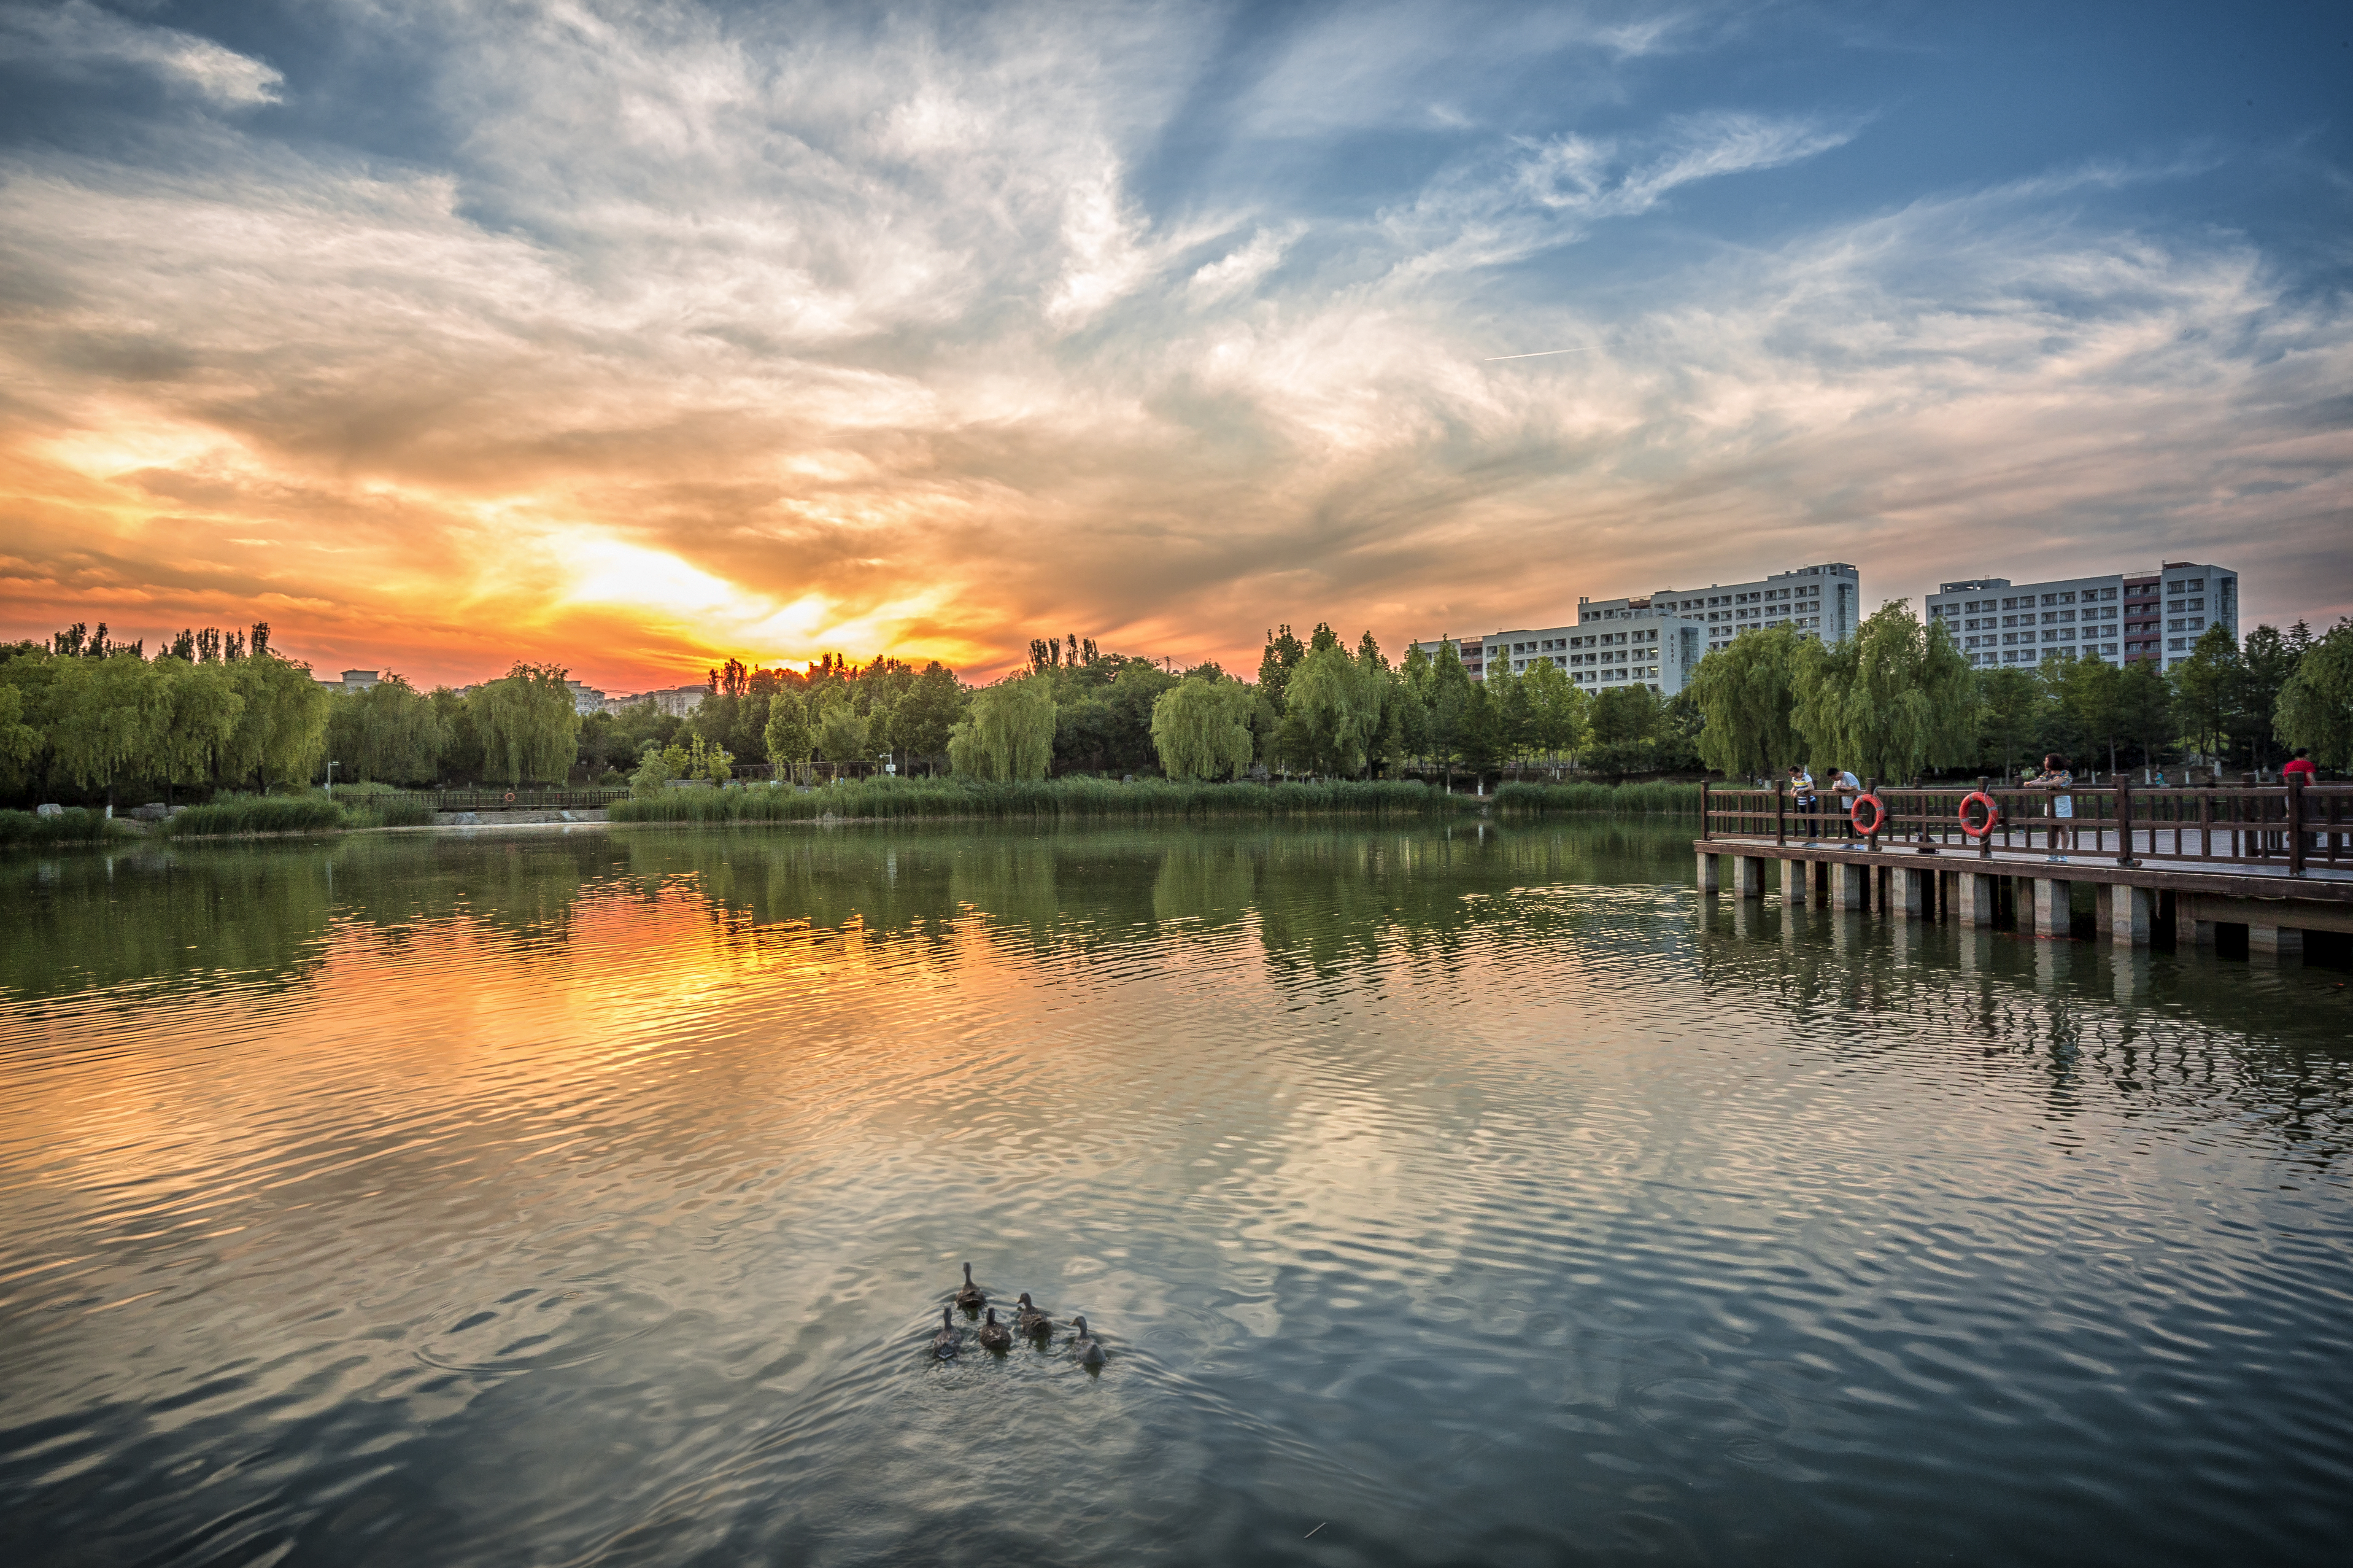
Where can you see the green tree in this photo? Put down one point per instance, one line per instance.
(1557, 710)
(1200, 728)
(1748, 698)
(391, 732)
(1282, 655)
(842, 732)
(2145, 706)
(111, 718)
(202, 708)
(652, 777)
(2268, 661)
(789, 737)
(528, 725)
(1448, 699)
(1893, 699)
(2090, 694)
(1625, 722)
(1008, 732)
(2315, 703)
(2206, 689)
(1332, 708)
(923, 717)
(2009, 715)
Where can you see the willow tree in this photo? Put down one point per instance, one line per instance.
(281, 730)
(1200, 727)
(1331, 709)
(390, 732)
(2316, 704)
(1890, 700)
(1748, 697)
(529, 727)
(201, 706)
(109, 714)
(1009, 732)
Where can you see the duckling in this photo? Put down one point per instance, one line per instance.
(946, 1344)
(1087, 1349)
(972, 1299)
(1033, 1323)
(994, 1336)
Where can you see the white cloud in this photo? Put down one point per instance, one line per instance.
(77, 35)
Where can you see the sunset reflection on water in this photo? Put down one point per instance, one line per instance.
(589, 1196)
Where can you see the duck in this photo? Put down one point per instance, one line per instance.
(1033, 1322)
(972, 1299)
(1086, 1348)
(946, 1344)
(994, 1336)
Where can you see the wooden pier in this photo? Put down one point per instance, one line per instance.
(2276, 859)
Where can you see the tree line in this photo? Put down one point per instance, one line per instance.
(1899, 699)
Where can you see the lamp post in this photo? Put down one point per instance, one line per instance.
(331, 779)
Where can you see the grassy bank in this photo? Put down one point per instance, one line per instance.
(1154, 799)
(75, 825)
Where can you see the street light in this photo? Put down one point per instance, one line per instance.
(331, 779)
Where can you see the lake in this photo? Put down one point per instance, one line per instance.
(1441, 1195)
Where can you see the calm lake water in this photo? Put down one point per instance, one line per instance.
(1443, 1198)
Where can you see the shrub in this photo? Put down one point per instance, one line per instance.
(1656, 798)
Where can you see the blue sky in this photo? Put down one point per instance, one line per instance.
(635, 335)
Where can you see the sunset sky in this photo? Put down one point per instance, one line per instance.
(633, 336)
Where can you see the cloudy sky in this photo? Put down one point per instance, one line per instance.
(633, 335)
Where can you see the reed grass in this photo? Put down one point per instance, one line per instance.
(1655, 797)
(243, 815)
(76, 825)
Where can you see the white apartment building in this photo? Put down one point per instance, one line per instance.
(2119, 616)
(1823, 601)
(1639, 648)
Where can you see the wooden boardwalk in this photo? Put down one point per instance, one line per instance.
(2276, 861)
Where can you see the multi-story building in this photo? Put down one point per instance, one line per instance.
(679, 701)
(1637, 648)
(1823, 601)
(2119, 616)
(355, 680)
(1658, 640)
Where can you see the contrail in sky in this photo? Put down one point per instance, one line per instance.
(1539, 355)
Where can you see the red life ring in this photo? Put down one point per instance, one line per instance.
(1878, 814)
(1991, 819)
(510, 797)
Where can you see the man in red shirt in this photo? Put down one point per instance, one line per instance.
(2303, 764)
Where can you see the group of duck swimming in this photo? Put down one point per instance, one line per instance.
(998, 1337)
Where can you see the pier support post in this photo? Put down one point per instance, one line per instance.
(1794, 876)
(1846, 885)
(2129, 916)
(1708, 880)
(2277, 942)
(1973, 900)
(1748, 875)
(2051, 913)
(1911, 898)
(2204, 933)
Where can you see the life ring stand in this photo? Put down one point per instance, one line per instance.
(1989, 805)
(510, 797)
(1878, 814)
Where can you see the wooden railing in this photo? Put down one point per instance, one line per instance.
(491, 797)
(2292, 826)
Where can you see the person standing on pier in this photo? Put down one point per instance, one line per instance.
(1850, 790)
(2056, 778)
(1801, 789)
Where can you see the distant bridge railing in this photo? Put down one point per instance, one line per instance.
(492, 798)
(2292, 826)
